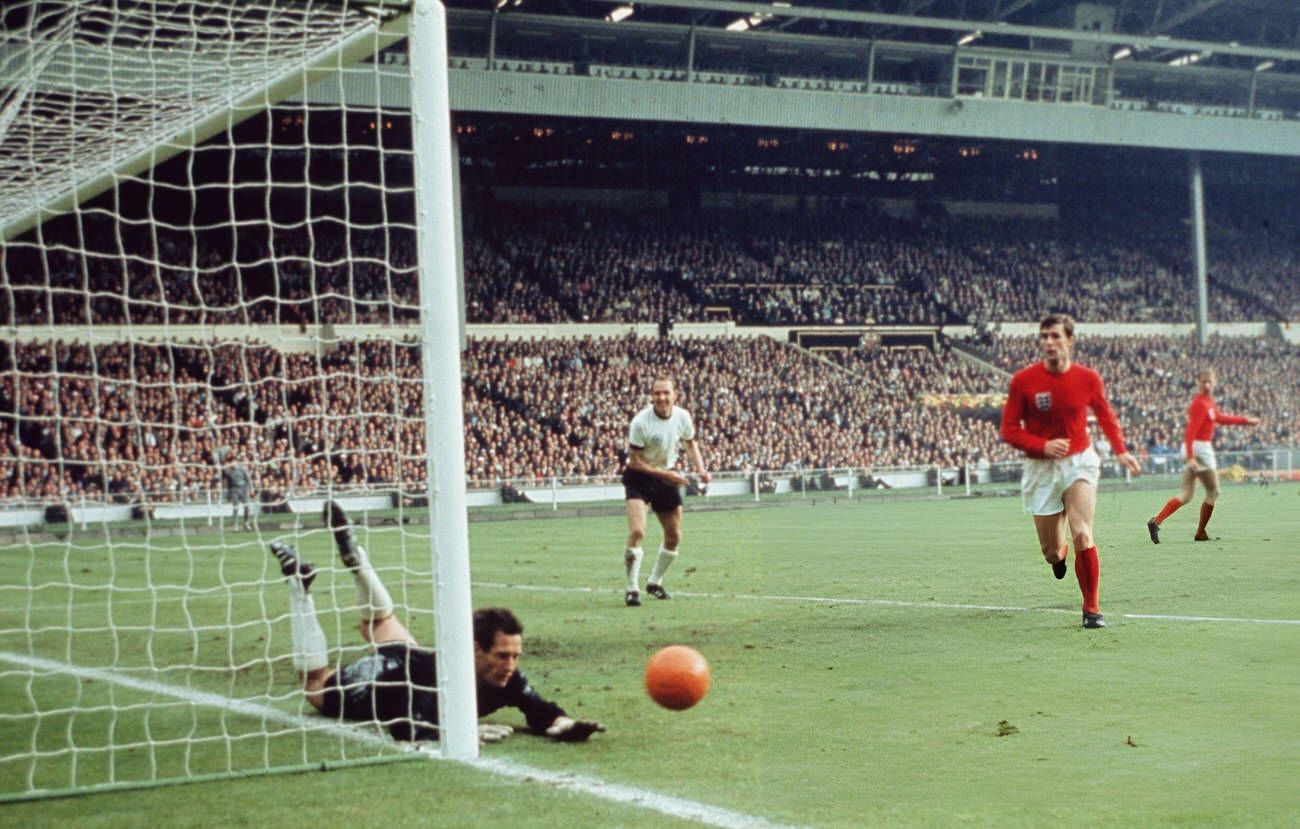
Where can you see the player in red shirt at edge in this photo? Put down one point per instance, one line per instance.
(1046, 417)
(1198, 451)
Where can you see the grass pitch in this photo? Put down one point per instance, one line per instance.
(901, 663)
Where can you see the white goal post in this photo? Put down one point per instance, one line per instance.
(228, 248)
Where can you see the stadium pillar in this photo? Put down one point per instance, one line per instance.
(1198, 247)
(690, 54)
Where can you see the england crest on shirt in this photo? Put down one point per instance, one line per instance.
(1043, 400)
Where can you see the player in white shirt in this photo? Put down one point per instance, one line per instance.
(656, 435)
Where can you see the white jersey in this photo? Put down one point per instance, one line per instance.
(660, 438)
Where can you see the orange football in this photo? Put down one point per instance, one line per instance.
(677, 677)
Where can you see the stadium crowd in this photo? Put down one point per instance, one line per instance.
(566, 263)
(312, 272)
(121, 420)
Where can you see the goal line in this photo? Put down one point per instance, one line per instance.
(677, 807)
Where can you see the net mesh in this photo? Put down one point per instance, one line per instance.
(210, 302)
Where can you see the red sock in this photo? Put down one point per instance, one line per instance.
(1087, 569)
(1170, 507)
(1206, 511)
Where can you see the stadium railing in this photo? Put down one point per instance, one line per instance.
(201, 509)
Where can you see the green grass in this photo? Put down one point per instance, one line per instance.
(901, 663)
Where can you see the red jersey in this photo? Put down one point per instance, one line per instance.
(1201, 417)
(1043, 406)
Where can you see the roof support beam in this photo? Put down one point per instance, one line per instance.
(998, 28)
(1187, 14)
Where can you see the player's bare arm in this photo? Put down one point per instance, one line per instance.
(1130, 462)
(697, 460)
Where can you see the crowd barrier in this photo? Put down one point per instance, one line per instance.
(201, 509)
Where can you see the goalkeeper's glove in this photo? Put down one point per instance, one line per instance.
(573, 731)
(493, 733)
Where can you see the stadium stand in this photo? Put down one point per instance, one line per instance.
(760, 405)
(566, 263)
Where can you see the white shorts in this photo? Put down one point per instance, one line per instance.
(1203, 451)
(1044, 480)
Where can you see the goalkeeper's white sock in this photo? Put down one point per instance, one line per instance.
(309, 643)
(632, 560)
(373, 599)
(662, 563)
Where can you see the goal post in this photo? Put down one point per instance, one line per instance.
(227, 239)
(440, 317)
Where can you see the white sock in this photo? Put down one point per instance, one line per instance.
(632, 560)
(309, 643)
(373, 599)
(665, 560)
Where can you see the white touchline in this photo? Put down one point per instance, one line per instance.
(890, 603)
(642, 798)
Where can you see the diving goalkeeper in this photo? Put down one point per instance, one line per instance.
(395, 683)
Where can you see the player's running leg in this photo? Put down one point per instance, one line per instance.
(1053, 532)
(632, 552)
(1186, 488)
(1080, 506)
(1210, 480)
(671, 521)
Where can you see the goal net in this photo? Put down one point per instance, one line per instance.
(228, 299)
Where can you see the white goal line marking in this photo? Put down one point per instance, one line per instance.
(890, 603)
(642, 798)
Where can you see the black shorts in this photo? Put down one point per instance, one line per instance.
(658, 493)
(393, 686)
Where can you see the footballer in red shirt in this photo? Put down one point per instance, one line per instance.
(1198, 453)
(1046, 417)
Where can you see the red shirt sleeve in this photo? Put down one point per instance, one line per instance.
(1196, 415)
(1231, 420)
(1013, 432)
(1106, 418)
